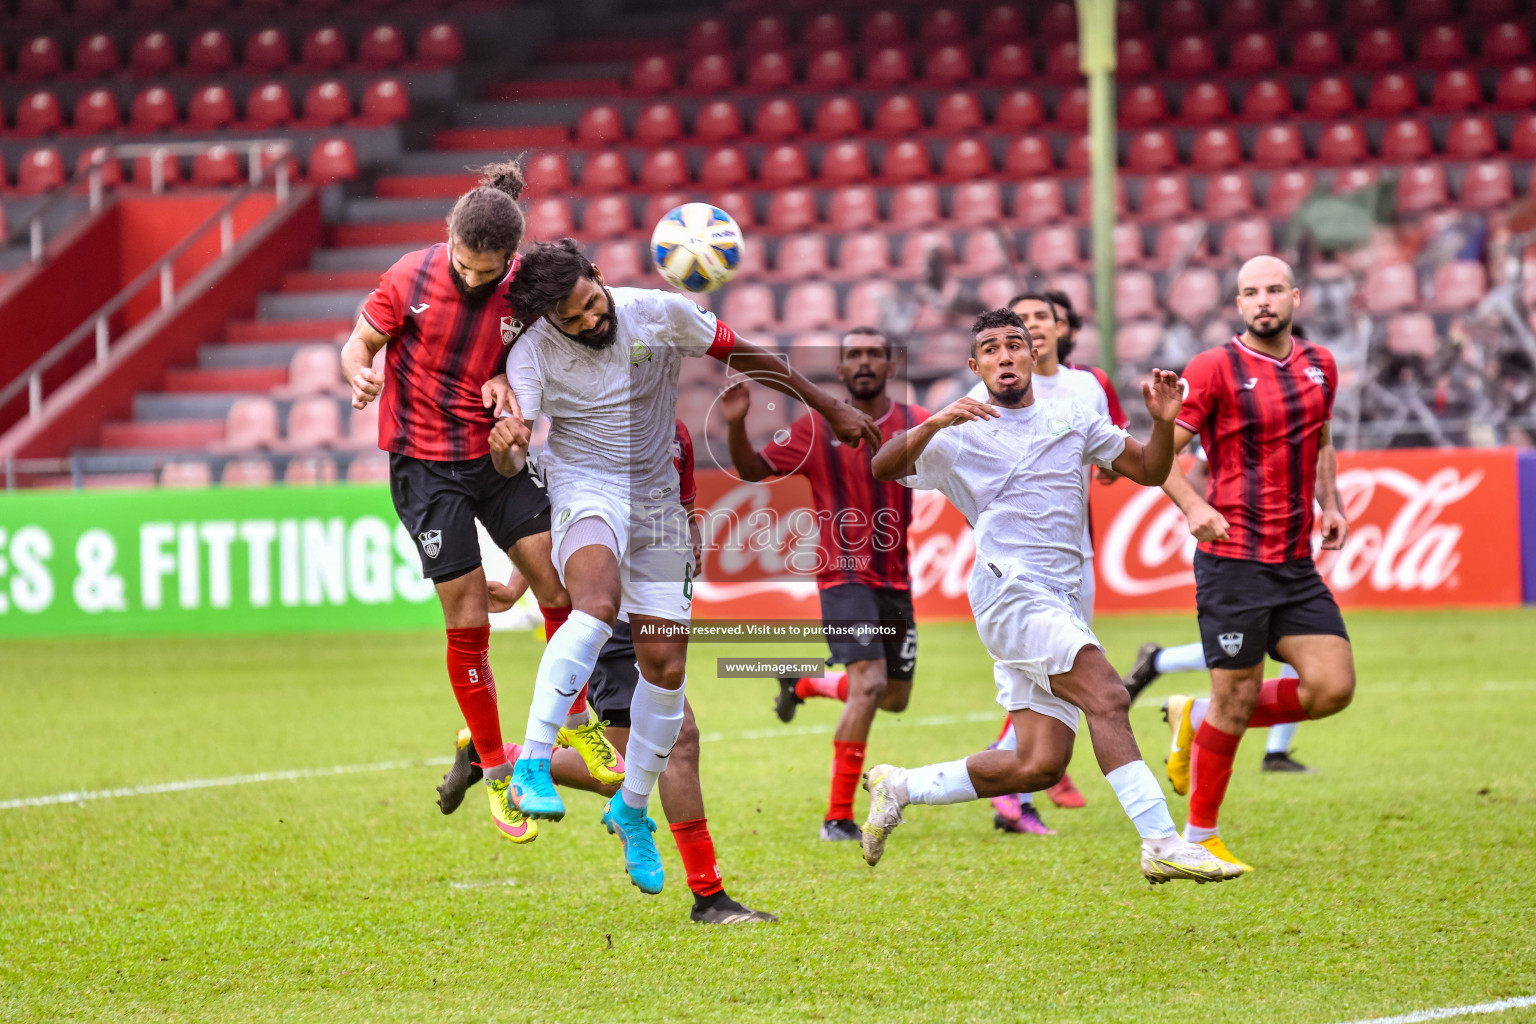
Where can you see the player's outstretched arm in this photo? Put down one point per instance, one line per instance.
(897, 458)
(357, 362)
(848, 424)
(1148, 464)
(1331, 520)
(750, 464)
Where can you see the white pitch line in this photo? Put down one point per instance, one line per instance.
(1453, 1011)
(292, 774)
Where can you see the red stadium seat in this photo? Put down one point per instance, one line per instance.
(1153, 150)
(1004, 21)
(1405, 141)
(599, 126)
(1352, 179)
(1181, 241)
(1165, 197)
(664, 168)
(39, 114)
(1194, 55)
(1194, 294)
(382, 46)
(1471, 138)
(1412, 334)
(94, 9)
(948, 65)
(111, 170)
(905, 161)
(1142, 105)
(323, 50)
(1243, 15)
(887, 68)
(966, 159)
(1330, 97)
(943, 25)
(1392, 94)
(957, 113)
(1390, 287)
(864, 254)
(658, 203)
(275, 154)
(1506, 41)
(824, 30)
(40, 59)
(547, 173)
(810, 305)
(831, 68)
(1316, 50)
(1422, 188)
(1302, 14)
(1378, 48)
(150, 9)
(977, 203)
(1286, 192)
(326, 104)
(1459, 285)
(266, 51)
(153, 110)
(719, 121)
(1072, 109)
(1129, 247)
(1216, 149)
(1441, 45)
(792, 209)
(738, 205)
(41, 170)
(1053, 248)
(440, 45)
(385, 102)
(1182, 16)
(657, 124)
(1429, 12)
(883, 28)
(1361, 13)
(1228, 195)
(769, 33)
(770, 71)
(96, 112)
(1134, 58)
(210, 53)
(152, 54)
(1267, 100)
(96, 56)
(1130, 18)
(1079, 158)
(332, 161)
(169, 167)
(1063, 61)
(212, 107)
(1522, 140)
(803, 256)
(1278, 145)
(1342, 144)
(783, 166)
(898, 115)
(1457, 89)
(1517, 88)
(251, 423)
(748, 307)
(605, 172)
(1028, 156)
(915, 205)
(1017, 111)
(711, 35)
(984, 252)
(712, 73)
(1247, 238)
(606, 217)
(1491, 10)
(1059, 20)
(1253, 53)
(725, 167)
(1009, 62)
(1039, 202)
(837, 118)
(1136, 295)
(853, 209)
(270, 106)
(845, 163)
(622, 262)
(1205, 103)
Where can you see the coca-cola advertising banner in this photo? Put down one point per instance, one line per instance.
(1427, 528)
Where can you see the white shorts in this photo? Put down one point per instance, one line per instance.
(1033, 633)
(655, 549)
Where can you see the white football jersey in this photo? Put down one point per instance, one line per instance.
(612, 412)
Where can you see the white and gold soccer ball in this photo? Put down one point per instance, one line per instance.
(697, 247)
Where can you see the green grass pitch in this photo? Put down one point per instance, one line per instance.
(1403, 877)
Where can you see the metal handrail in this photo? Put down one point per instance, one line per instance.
(99, 322)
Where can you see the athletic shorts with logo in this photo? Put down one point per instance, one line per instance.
(1245, 607)
(1033, 632)
(655, 547)
(439, 502)
(865, 623)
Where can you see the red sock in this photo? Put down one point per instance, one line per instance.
(1210, 771)
(579, 705)
(554, 618)
(834, 687)
(847, 765)
(1279, 703)
(469, 670)
(698, 853)
(1007, 721)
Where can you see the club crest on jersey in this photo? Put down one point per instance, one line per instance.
(1231, 643)
(511, 329)
(1058, 427)
(1316, 375)
(639, 352)
(431, 542)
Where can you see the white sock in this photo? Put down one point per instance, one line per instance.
(1183, 658)
(1196, 834)
(947, 783)
(1027, 799)
(1143, 800)
(1280, 737)
(533, 750)
(566, 665)
(655, 719)
(1197, 711)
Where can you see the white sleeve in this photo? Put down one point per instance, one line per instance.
(934, 466)
(524, 376)
(1102, 440)
(688, 327)
(979, 392)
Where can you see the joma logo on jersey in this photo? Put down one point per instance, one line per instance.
(431, 542)
(1316, 375)
(639, 352)
(1231, 643)
(511, 327)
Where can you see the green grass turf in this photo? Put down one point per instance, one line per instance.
(1400, 878)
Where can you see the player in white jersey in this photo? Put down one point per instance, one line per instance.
(1013, 467)
(603, 366)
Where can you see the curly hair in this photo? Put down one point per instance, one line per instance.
(1004, 317)
(546, 275)
(487, 217)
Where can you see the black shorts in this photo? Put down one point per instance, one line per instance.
(438, 503)
(614, 679)
(1246, 607)
(849, 605)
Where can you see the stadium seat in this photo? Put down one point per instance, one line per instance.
(1072, 109)
(1165, 197)
(783, 166)
(1505, 42)
(1246, 238)
(1205, 103)
(274, 154)
(831, 68)
(1405, 141)
(439, 45)
(664, 168)
(332, 161)
(898, 115)
(1079, 158)
(864, 254)
(1267, 100)
(1194, 55)
(1253, 53)
(1062, 61)
(657, 124)
(385, 102)
(622, 261)
(1315, 50)
(984, 252)
(1286, 192)
(250, 424)
(905, 161)
(96, 112)
(915, 205)
(1216, 149)
(771, 71)
(957, 113)
(738, 204)
(152, 54)
(883, 28)
(1017, 111)
(1228, 195)
(599, 126)
(837, 118)
(313, 422)
(111, 170)
(1392, 94)
(867, 300)
(1142, 105)
(606, 217)
(308, 471)
(1003, 21)
(809, 305)
(326, 104)
(1027, 156)
(766, 33)
(824, 30)
(168, 166)
(1471, 138)
(658, 204)
(147, 10)
(1136, 295)
(216, 167)
(549, 219)
(210, 53)
(943, 25)
(1136, 340)
(1039, 201)
(1422, 188)
(314, 370)
(1491, 10)
(1009, 62)
(382, 46)
(1152, 150)
(1330, 97)
(1134, 58)
(1412, 334)
(1182, 16)
(1517, 88)
(748, 306)
(1487, 185)
(1457, 89)
(96, 56)
(918, 247)
(270, 106)
(1194, 294)
(1389, 287)
(1059, 20)
(845, 163)
(322, 50)
(977, 203)
(712, 73)
(247, 473)
(1364, 13)
(1429, 12)
(1442, 45)
(266, 52)
(852, 209)
(1243, 15)
(38, 114)
(1352, 179)
(1129, 247)
(186, 474)
(1342, 144)
(98, 9)
(1053, 247)
(605, 172)
(711, 35)
(719, 121)
(1277, 146)
(153, 110)
(965, 159)
(547, 173)
(792, 209)
(948, 65)
(1522, 140)
(725, 167)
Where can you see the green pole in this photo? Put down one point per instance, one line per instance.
(1096, 45)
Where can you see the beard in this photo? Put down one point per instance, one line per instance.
(476, 296)
(865, 388)
(1280, 324)
(1010, 398)
(604, 334)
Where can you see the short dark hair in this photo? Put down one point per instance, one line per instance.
(1004, 317)
(487, 217)
(545, 276)
(1036, 297)
(871, 332)
(1063, 303)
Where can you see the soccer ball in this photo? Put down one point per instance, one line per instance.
(697, 247)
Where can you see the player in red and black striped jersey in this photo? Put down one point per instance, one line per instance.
(862, 558)
(1261, 404)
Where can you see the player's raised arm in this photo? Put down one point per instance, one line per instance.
(357, 357)
(735, 401)
(848, 424)
(897, 458)
(1148, 464)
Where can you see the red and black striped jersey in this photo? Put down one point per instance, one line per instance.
(863, 521)
(441, 350)
(682, 458)
(1260, 420)
(1116, 410)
